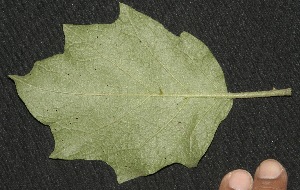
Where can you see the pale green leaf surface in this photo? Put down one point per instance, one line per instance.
(128, 93)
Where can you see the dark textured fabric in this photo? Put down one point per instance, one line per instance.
(256, 43)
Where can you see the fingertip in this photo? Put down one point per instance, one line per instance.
(269, 169)
(270, 174)
(236, 180)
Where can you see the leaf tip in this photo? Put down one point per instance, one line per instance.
(67, 27)
(124, 10)
(122, 179)
(122, 5)
(53, 156)
(14, 77)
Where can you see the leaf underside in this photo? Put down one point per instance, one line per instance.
(120, 93)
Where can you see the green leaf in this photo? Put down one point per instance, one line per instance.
(131, 94)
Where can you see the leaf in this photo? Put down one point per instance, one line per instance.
(131, 94)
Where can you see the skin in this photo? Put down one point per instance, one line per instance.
(269, 175)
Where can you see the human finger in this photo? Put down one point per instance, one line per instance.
(237, 180)
(269, 175)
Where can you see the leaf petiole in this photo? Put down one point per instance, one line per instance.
(258, 94)
(238, 95)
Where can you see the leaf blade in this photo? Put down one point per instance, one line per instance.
(78, 95)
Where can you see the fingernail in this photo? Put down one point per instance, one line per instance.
(240, 180)
(269, 169)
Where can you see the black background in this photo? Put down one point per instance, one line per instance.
(256, 43)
